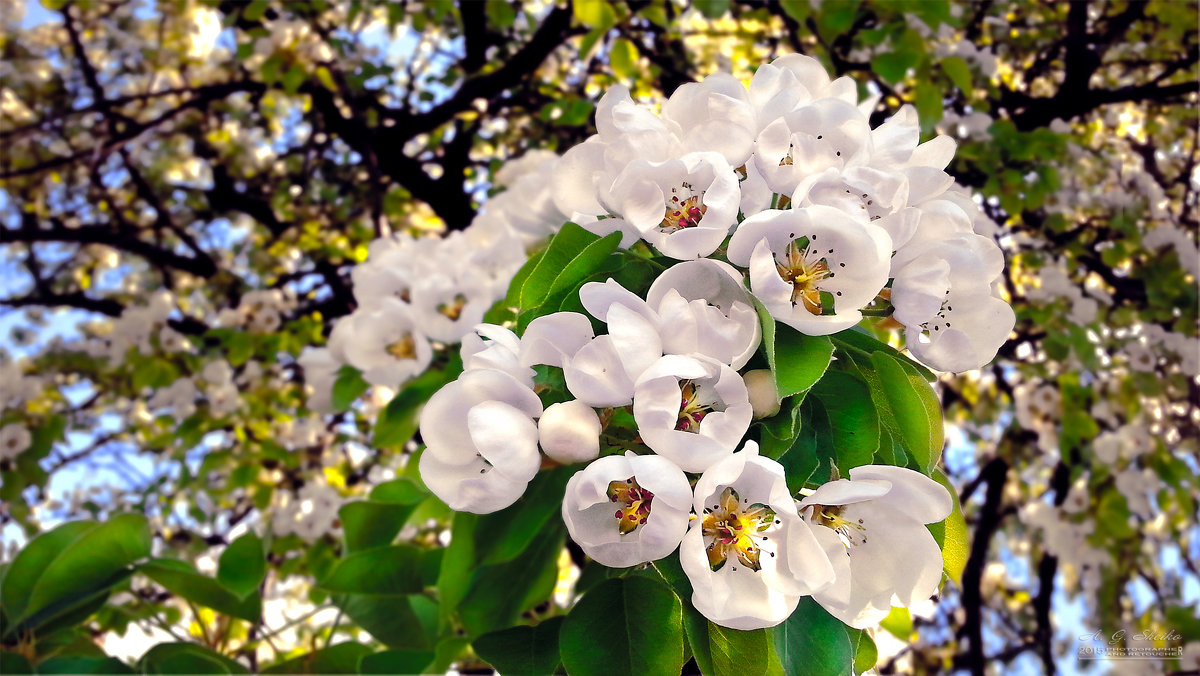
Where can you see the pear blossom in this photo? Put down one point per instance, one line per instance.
(748, 554)
(569, 432)
(828, 133)
(500, 351)
(813, 268)
(703, 308)
(684, 207)
(550, 337)
(872, 526)
(481, 441)
(14, 439)
(626, 510)
(383, 342)
(692, 410)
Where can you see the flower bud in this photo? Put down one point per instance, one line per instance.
(569, 432)
(764, 393)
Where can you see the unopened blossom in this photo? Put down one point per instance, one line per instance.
(569, 432)
(763, 392)
(813, 268)
(872, 526)
(692, 410)
(626, 510)
(481, 441)
(748, 554)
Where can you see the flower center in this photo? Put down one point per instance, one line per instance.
(852, 532)
(636, 501)
(804, 268)
(684, 209)
(691, 410)
(736, 530)
(404, 348)
(454, 309)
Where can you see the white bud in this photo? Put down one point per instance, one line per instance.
(764, 393)
(569, 432)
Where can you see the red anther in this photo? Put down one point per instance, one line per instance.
(618, 514)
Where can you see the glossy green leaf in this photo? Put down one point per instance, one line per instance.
(391, 662)
(401, 417)
(181, 579)
(522, 650)
(89, 565)
(898, 623)
(457, 563)
(865, 652)
(378, 571)
(187, 658)
(14, 663)
(32, 561)
(721, 651)
(852, 418)
(859, 343)
(501, 536)
(570, 255)
(813, 643)
(598, 636)
(368, 523)
(800, 360)
(391, 619)
(243, 565)
(915, 407)
(342, 658)
(499, 593)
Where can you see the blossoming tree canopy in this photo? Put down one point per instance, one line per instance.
(598, 337)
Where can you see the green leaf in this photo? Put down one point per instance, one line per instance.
(865, 652)
(25, 570)
(457, 563)
(88, 566)
(342, 658)
(624, 627)
(856, 342)
(522, 650)
(500, 13)
(800, 360)
(379, 571)
(501, 536)
(597, 14)
(391, 619)
(187, 658)
(396, 662)
(712, 9)
(852, 418)
(348, 387)
(898, 623)
(243, 565)
(14, 663)
(959, 72)
(499, 593)
(402, 415)
(372, 524)
(80, 664)
(293, 78)
(255, 10)
(570, 255)
(813, 643)
(720, 651)
(930, 108)
(951, 534)
(915, 407)
(181, 579)
(623, 59)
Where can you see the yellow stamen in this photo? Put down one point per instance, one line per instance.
(736, 530)
(404, 348)
(804, 276)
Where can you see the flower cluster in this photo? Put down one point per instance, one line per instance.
(828, 215)
(778, 195)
